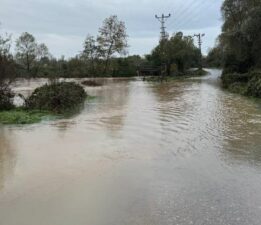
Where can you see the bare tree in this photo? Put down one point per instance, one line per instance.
(30, 54)
(42, 52)
(112, 39)
(7, 67)
(91, 52)
(26, 50)
(7, 73)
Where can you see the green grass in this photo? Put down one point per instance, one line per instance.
(89, 97)
(21, 116)
(24, 116)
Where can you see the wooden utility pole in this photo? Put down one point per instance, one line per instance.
(199, 36)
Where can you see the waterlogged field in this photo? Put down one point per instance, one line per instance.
(182, 152)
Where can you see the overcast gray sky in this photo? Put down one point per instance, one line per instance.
(63, 24)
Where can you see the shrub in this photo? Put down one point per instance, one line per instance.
(6, 99)
(231, 78)
(238, 87)
(254, 86)
(57, 97)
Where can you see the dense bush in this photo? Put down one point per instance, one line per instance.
(6, 99)
(232, 78)
(247, 84)
(57, 97)
(254, 86)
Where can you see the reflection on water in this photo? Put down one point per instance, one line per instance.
(183, 152)
(7, 156)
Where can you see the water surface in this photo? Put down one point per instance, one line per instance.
(183, 152)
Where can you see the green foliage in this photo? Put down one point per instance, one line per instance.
(19, 116)
(247, 84)
(229, 79)
(240, 44)
(241, 35)
(126, 67)
(57, 97)
(254, 86)
(214, 57)
(112, 39)
(179, 50)
(238, 88)
(6, 96)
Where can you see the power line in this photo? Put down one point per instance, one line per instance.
(189, 7)
(193, 14)
(162, 19)
(196, 15)
(187, 11)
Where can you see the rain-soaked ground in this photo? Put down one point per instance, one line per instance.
(177, 153)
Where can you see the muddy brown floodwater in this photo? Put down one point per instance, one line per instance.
(176, 153)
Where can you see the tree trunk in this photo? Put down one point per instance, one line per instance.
(107, 59)
(27, 63)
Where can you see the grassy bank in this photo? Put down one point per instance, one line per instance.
(23, 116)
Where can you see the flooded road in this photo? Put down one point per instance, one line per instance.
(179, 153)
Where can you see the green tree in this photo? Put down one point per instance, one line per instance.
(179, 50)
(112, 39)
(214, 57)
(241, 35)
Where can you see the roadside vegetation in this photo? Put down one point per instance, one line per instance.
(238, 49)
(177, 54)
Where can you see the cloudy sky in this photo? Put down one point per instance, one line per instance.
(63, 24)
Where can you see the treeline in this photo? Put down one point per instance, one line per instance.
(104, 55)
(101, 56)
(238, 50)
